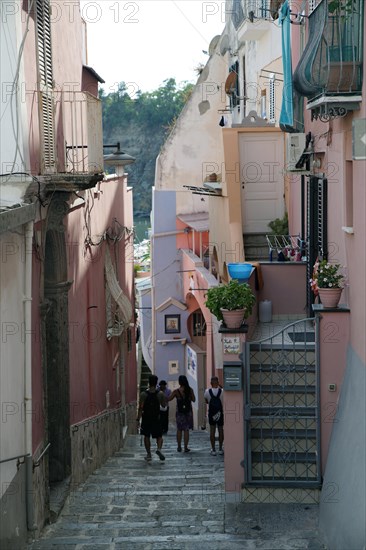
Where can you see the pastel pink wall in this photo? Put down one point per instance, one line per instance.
(94, 359)
(334, 335)
(284, 286)
(234, 441)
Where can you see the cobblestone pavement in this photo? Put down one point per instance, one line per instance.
(178, 504)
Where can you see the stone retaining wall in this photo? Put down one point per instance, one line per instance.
(95, 440)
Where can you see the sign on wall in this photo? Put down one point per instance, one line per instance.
(174, 367)
(192, 363)
(231, 345)
(359, 139)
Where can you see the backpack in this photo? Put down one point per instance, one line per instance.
(183, 404)
(151, 407)
(215, 406)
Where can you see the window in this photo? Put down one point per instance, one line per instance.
(199, 324)
(235, 91)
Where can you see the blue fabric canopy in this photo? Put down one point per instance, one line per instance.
(287, 109)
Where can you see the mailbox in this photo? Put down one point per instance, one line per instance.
(233, 376)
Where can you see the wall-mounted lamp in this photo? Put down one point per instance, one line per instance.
(119, 158)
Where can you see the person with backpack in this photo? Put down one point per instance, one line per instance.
(184, 413)
(213, 397)
(149, 411)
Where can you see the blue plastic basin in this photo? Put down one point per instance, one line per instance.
(240, 271)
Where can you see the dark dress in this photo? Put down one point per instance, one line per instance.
(184, 421)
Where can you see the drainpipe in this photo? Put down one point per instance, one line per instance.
(27, 308)
(153, 328)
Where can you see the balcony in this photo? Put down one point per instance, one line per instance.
(252, 19)
(329, 72)
(82, 122)
(71, 146)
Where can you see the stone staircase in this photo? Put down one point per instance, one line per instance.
(256, 247)
(144, 380)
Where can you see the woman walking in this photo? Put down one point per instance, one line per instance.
(184, 414)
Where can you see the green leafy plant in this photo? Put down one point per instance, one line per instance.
(279, 226)
(232, 296)
(338, 7)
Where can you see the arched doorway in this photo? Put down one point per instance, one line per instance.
(196, 325)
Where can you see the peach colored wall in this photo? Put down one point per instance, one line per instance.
(334, 335)
(185, 240)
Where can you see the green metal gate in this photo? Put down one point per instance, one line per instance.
(281, 408)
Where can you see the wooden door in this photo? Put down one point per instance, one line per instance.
(262, 179)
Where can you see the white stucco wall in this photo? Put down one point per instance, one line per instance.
(194, 148)
(12, 105)
(11, 354)
(261, 56)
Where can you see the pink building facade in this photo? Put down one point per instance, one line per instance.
(335, 114)
(81, 384)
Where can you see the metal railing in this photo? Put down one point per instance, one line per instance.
(82, 125)
(332, 60)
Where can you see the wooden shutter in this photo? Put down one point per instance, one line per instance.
(46, 85)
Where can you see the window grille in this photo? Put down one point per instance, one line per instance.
(313, 4)
(272, 98)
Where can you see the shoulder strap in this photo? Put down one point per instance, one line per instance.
(210, 392)
(219, 392)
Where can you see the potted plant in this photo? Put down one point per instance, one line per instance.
(327, 282)
(223, 300)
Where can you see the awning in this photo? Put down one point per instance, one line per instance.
(124, 304)
(198, 222)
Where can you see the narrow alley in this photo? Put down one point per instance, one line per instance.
(178, 504)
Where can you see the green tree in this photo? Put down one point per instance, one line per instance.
(140, 123)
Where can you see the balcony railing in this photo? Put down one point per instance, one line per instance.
(82, 129)
(329, 72)
(251, 18)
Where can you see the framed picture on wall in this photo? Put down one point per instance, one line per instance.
(172, 324)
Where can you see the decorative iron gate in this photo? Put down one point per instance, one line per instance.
(281, 413)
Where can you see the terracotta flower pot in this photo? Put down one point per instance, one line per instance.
(234, 318)
(330, 296)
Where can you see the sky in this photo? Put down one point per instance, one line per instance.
(144, 42)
